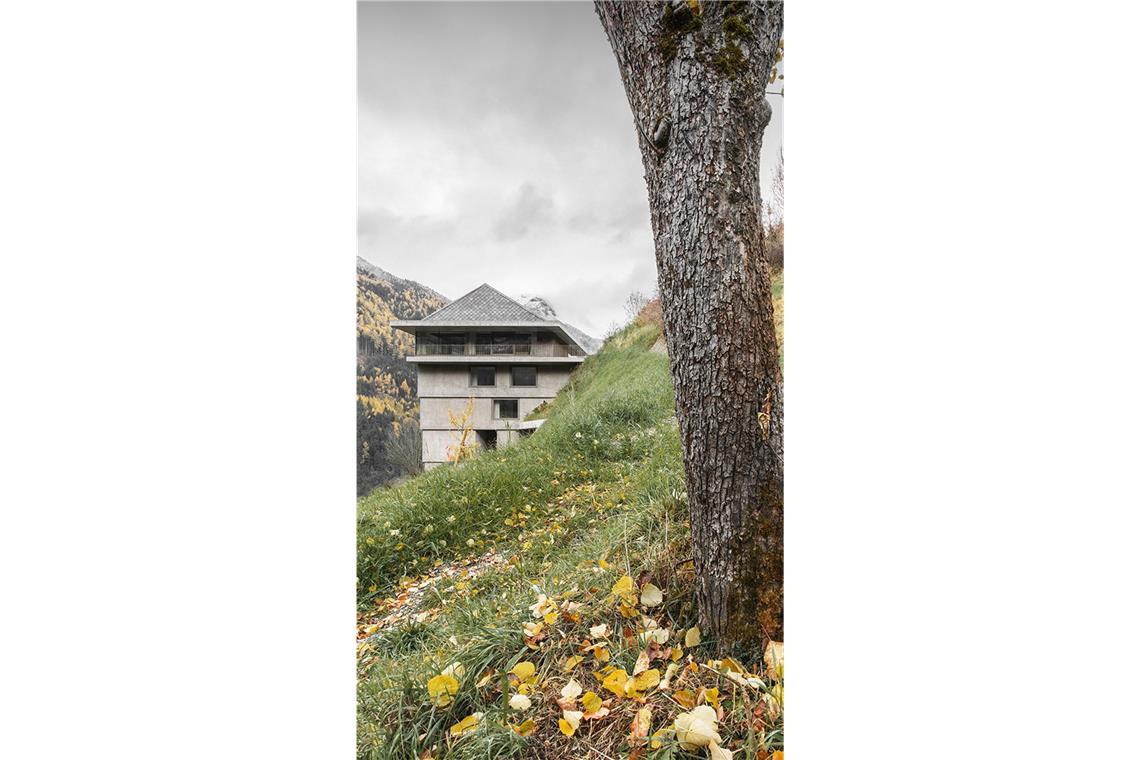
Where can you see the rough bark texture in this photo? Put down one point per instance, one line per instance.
(695, 77)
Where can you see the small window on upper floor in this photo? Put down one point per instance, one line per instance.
(524, 376)
(482, 376)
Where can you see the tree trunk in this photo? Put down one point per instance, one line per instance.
(695, 77)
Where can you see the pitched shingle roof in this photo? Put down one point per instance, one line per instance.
(483, 304)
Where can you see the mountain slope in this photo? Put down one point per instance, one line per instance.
(470, 575)
(387, 427)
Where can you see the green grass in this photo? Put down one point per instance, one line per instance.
(595, 427)
(602, 478)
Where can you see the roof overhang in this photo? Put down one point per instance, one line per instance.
(415, 325)
(494, 359)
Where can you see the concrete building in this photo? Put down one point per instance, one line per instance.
(490, 349)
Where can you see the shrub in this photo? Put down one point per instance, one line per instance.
(774, 247)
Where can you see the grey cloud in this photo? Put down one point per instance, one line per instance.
(497, 145)
(532, 210)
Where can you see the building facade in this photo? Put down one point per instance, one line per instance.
(489, 351)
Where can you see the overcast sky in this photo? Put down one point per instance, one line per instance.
(496, 145)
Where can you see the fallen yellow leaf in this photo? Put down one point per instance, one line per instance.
(467, 725)
(669, 673)
(697, 728)
(731, 665)
(571, 690)
(774, 659)
(717, 752)
(615, 682)
(623, 588)
(639, 728)
(693, 636)
(637, 685)
(650, 595)
(524, 670)
(569, 721)
(441, 689)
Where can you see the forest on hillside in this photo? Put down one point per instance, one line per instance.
(387, 426)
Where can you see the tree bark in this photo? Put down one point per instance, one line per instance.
(695, 77)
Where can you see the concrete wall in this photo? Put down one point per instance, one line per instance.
(433, 412)
(455, 380)
(447, 387)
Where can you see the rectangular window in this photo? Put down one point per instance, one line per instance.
(524, 376)
(507, 409)
(498, 344)
(482, 376)
(451, 344)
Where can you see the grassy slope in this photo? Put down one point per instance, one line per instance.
(601, 479)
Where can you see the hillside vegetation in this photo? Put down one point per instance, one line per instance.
(387, 413)
(535, 602)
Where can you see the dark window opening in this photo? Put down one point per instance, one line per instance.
(508, 409)
(524, 376)
(482, 376)
(487, 438)
(502, 343)
(453, 344)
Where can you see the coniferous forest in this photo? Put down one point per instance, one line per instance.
(387, 426)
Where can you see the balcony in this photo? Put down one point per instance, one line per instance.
(547, 350)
